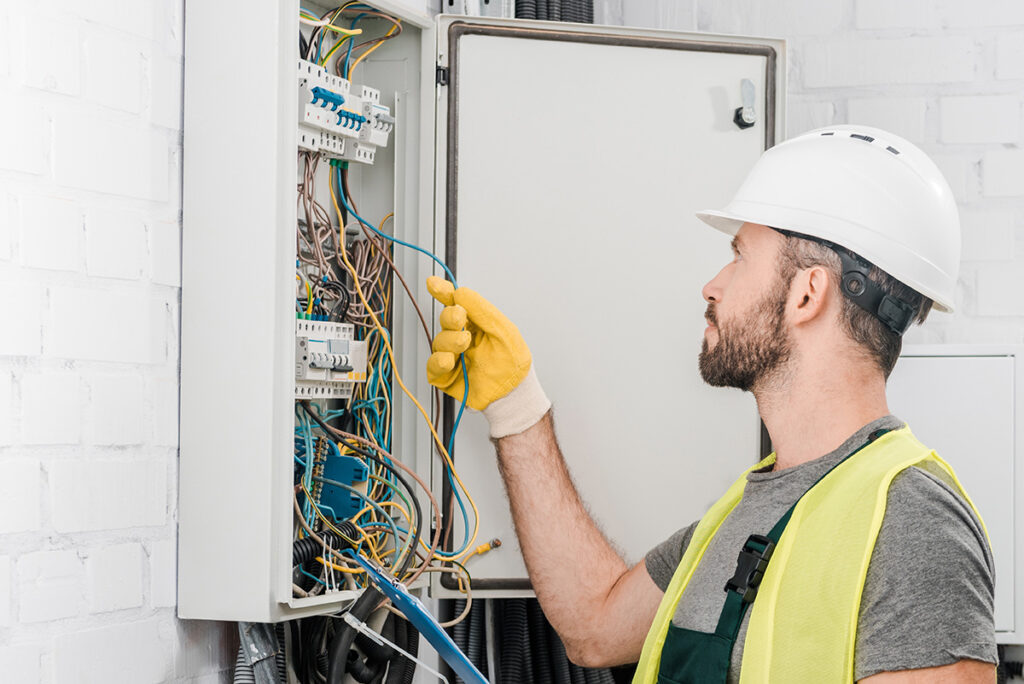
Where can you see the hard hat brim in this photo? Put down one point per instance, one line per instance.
(730, 224)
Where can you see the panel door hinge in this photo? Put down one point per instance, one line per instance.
(442, 75)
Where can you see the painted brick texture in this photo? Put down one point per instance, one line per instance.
(946, 75)
(90, 228)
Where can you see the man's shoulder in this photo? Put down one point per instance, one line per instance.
(927, 489)
(929, 593)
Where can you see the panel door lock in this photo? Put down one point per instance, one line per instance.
(744, 116)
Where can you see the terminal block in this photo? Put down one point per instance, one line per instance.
(341, 502)
(329, 361)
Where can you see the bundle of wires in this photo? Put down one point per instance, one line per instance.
(330, 41)
(345, 272)
(352, 281)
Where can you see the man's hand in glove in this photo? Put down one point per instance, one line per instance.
(502, 383)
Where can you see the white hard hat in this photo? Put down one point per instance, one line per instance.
(862, 188)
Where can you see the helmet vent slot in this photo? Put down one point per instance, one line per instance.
(829, 133)
(892, 149)
(865, 138)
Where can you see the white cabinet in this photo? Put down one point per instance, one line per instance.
(964, 402)
(557, 168)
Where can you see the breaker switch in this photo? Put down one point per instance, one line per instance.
(348, 119)
(326, 97)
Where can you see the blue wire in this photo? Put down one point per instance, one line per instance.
(348, 54)
(465, 373)
(311, 576)
(390, 238)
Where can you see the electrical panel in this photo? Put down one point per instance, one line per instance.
(382, 146)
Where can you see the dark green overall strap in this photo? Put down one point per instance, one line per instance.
(753, 560)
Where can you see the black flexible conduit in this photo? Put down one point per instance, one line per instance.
(526, 9)
(579, 11)
(396, 670)
(307, 548)
(337, 658)
(559, 660)
(540, 638)
(529, 649)
(243, 670)
(280, 658)
(460, 632)
(477, 650)
(515, 653)
(413, 646)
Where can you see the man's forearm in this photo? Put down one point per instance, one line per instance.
(572, 566)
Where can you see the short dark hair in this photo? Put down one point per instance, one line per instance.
(881, 343)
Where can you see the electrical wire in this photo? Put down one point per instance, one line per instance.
(455, 492)
(441, 447)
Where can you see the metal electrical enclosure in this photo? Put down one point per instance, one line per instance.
(556, 167)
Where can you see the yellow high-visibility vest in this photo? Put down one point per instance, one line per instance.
(803, 623)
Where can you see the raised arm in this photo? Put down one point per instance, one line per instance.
(600, 608)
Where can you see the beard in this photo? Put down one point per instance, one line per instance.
(751, 348)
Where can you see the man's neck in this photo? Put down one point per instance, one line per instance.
(813, 412)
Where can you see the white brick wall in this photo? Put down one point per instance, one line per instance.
(90, 148)
(90, 152)
(949, 76)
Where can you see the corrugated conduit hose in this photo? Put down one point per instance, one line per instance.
(243, 670)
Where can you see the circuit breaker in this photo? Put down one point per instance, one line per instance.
(380, 146)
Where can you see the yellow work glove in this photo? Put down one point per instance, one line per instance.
(502, 383)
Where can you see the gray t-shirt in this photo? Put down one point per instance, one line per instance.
(928, 597)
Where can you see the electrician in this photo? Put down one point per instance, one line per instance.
(851, 553)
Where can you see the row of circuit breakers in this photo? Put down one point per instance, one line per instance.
(337, 120)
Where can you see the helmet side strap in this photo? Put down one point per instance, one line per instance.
(896, 314)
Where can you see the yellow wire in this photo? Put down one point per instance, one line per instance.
(351, 571)
(352, 67)
(337, 29)
(400, 507)
(398, 377)
(309, 293)
(348, 32)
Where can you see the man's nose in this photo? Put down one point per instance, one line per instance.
(712, 291)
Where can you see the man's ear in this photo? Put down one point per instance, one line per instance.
(809, 293)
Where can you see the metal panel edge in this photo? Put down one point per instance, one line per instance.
(232, 355)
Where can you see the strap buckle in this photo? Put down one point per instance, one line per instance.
(750, 566)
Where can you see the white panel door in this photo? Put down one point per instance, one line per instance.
(963, 406)
(579, 168)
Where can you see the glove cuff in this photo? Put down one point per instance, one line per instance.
(518, 410)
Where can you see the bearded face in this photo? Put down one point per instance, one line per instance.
(751, 346)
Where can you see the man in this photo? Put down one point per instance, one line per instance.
(850, 554)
